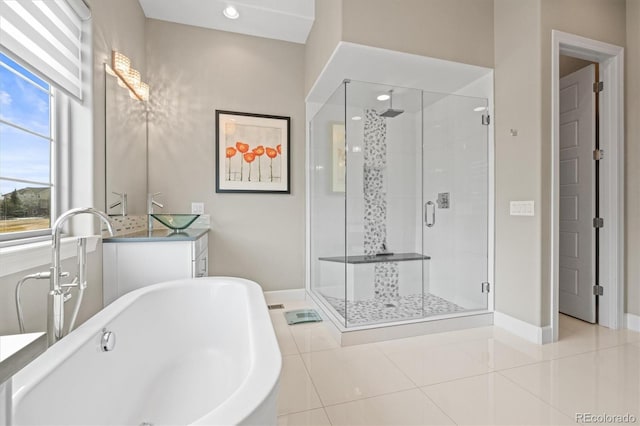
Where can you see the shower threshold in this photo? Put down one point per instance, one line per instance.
(397, 327)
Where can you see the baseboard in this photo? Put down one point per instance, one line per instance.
(632, 321)
(277, 296)
(522, 329)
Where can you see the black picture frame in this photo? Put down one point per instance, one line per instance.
(253, 153)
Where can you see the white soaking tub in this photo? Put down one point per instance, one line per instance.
(199, 351)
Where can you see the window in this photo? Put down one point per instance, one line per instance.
(26, 152)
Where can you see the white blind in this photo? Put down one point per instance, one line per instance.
(46, 34)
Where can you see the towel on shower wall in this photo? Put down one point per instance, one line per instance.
(386, 274)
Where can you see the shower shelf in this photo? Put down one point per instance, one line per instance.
(396, 257)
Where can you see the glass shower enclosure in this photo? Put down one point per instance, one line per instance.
(399, 201)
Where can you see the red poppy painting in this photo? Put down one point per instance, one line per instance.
(252, 152)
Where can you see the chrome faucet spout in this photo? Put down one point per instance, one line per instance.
(55, 306)
(150, 203)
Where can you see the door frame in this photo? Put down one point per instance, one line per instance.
(611, 60)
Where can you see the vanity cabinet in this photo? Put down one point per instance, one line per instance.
(138, 260)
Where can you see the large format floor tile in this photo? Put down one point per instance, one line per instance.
(607, 380)
(491, 399)
(286, 342)
(355, 372)
(426, 365)
(410, 407)
(316, 417)
(313, 337)
(297, 392)
(497, 354)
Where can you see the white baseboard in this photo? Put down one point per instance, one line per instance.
(532, 333)
(632, 322)
(278, 296)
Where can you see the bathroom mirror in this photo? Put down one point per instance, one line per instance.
(125, 150)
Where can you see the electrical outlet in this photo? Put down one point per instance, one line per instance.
(197, 208)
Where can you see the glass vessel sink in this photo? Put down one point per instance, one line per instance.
(175, 221)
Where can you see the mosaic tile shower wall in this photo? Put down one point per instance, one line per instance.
(386, 274)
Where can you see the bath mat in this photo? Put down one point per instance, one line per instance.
(300, 316)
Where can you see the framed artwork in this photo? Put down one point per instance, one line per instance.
(338, 158)
(252, 152)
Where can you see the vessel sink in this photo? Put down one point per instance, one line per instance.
(175, 221)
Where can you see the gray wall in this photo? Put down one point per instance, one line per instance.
(323, 38)
(632, 156)
(517, 159)
(568, 65)
(192, 72)
(456, 30)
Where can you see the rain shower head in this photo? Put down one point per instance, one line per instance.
(390, 112)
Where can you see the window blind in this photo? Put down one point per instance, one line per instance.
(47, 35)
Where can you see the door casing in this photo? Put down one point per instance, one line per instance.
(611, 102)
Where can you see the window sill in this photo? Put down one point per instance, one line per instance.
(17, 258)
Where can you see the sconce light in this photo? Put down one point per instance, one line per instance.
(129, 77)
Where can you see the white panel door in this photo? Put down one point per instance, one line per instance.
(577, 186)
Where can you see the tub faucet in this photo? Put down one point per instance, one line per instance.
(150, 203)
(57, 291)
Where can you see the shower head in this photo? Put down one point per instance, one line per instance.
(390, 112)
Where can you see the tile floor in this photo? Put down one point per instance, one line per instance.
(481, 376)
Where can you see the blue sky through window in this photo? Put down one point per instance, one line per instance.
(25, 103)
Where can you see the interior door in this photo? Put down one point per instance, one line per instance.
(455, 203)
(577, 186)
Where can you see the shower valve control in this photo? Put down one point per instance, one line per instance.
(443, 200)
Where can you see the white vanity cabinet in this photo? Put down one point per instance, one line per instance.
(138, 260)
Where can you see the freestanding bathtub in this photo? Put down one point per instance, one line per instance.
(199, 351)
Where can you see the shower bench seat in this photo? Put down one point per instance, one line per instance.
(349, 270)
(395, 257)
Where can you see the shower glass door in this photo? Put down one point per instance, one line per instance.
(455, 209)
(384, 261)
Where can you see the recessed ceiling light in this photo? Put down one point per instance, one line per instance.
(383, 97)
(231, 12)
(478, 109)
(356, 118)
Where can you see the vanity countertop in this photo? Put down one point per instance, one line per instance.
(158, 235)
(18, 350)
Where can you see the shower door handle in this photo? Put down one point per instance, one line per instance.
(426, 214)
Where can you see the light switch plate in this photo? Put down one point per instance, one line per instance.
(197, 208)
(521, 208)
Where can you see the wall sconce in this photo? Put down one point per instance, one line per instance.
(128, 77)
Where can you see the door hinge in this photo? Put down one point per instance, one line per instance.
(486, 287)
(598, 222)
(598, 290)
(598, 154)
(598, 87)
(486, 119)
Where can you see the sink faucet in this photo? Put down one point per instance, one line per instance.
(122, 202)
(150, 203)
(55, 305)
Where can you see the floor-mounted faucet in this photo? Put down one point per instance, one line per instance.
(57, 291)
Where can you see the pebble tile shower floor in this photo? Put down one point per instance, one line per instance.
(372, 311)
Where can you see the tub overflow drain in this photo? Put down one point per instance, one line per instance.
(108, 341)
